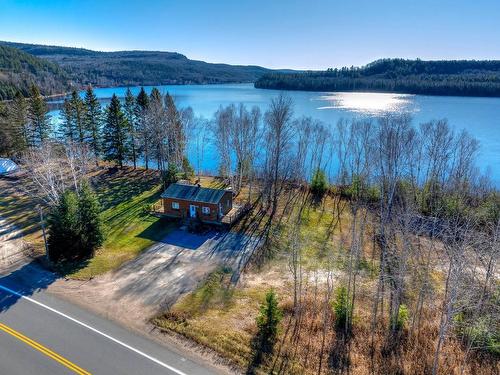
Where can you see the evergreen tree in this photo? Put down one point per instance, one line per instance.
(268, 321)
(38, 117)
(141, 107)
(68, 129)
(6, 142)
(319, 184)
(78, 108)
(19, 118)
(90, 225)
(63, 228)
(155, 95)
(130, 115)
(93, 121)
(12, 127)
(115, 133)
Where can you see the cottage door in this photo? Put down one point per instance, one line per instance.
(192, 210)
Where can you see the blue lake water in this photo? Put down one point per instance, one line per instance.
(479, 116)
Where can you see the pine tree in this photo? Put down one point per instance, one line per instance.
(142, 104)
(115, 133)
(79, 110)
(93, 121)
(12, 127)
(268, 321)
(130, 115)
(63, 228)
(155, 95)
(319, 184)
(67, 129)
(6, 142)
(19, 118)
(90, 225)
(38, 117)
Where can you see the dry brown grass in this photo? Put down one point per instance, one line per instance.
(226, 321)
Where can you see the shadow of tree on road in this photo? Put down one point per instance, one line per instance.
(27, 281)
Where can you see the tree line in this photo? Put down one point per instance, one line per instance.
(19, 70)
(455, 77)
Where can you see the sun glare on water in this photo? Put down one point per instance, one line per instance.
(366, 102)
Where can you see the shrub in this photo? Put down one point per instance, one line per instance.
(341, 308)
(401, 318)
(319, 184)
(482, 332)
(268, 321)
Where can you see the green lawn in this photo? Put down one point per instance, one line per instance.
(124, 196)
(129, 227)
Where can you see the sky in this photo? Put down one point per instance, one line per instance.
(306, 34)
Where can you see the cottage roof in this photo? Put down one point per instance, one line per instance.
(193, 193)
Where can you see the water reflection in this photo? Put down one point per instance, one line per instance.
(367, 102)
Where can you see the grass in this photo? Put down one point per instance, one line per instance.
(208, 315)
(222, 317)
(125, 196)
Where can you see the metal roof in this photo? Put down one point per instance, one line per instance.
(193, 193)
(7, 166)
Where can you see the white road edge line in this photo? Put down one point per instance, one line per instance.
(157, 361)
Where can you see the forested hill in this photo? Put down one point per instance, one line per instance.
(454, 77)
(139, 67)
(19, 70)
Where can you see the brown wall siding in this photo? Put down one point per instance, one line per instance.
(183, 210)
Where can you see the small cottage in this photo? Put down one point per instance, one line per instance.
(193, 201)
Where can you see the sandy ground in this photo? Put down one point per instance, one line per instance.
(13, 249)
(153, 281)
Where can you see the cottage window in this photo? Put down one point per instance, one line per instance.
(175, 205)
(206, 210)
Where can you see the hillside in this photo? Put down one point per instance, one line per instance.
(454, 77)
(125, 68)
(18, 70)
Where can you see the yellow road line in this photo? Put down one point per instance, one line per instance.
(49, 353)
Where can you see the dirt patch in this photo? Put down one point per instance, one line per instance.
(13, 249)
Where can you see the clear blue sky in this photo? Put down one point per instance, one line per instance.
(273, 33)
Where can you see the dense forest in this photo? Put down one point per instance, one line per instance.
(456, 77)
(19, 70)
(133, 68)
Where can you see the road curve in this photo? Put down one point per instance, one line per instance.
(43, 335)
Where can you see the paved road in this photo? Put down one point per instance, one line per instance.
(43, 335)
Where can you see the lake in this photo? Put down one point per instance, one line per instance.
(479, 116)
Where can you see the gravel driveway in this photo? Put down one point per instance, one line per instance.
(155, 280)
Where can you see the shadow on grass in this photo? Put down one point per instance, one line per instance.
(339, 359)
(115, 186)
(258, 355)
(68, 268)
